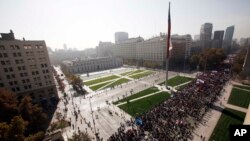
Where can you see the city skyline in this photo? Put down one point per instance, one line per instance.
(82, 24)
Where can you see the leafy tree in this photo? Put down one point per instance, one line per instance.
(34, 114)
(81, 136)
(17, 129)
(8, 105)
(4, 129)
(208, 59)
(20, 119)
(35, 137)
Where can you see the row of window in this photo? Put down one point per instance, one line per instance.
(11, 83)
(6, 62)
(30, 47)
(21, 68)
(2, 47)
(8, 69)
(44, 65)
(3, 55)
(17, 54)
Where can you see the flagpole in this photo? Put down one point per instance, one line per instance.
(168, 44)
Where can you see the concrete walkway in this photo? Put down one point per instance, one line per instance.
(212, 117)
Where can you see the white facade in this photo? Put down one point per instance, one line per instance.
(91, 65)
(152, 50)
(127, 50)
(104, 49)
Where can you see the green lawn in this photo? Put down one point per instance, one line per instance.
(144, 104)
(137, 76)
(137, 71)
(91, 82)
(181, 87)
(228, 117)
(96, 87)
(139, 94)
(118, 82)
(243, 87)
(239, 97)
(177, 80)
(125, 73)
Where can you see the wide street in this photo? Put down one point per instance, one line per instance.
(101, 103)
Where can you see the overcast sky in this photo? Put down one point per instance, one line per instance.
(83, 23)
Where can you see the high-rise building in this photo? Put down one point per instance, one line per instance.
(196, 37)
(152, 52)
(127, 49)
(218, 39)
(206, 35)
(104, 49)
(186, 40)
(25, 69)
(120, 36)
(228, 38)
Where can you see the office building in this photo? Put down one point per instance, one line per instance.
(25, 69)
(227, 44)
(185, 50)
(206, 35)
(127, 49)
(104, 49)
(218, 39)
(120, 36)
(91, 65)
(152, 52)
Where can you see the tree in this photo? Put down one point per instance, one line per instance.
(34, 114)
(208, 59)
(20, 119)
(81, 136)
(4, 129)
(35, 137)
(17, 129)
(8, 105)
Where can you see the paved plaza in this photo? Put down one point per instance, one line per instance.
(101, 102)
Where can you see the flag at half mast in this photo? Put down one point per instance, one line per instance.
(168, 43)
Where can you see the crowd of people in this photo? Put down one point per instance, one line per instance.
(176, 118)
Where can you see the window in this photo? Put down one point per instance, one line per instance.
(27, 47)
(13, 89)
(2, 47)
(17, 47)
(3, 62)
(12, 46)
(14, 54)
(7, 62)
(11, 83)
(5, 70)
(5, 55)
(8, 76)
(10, 69)
(19, 54)
(1, 56)
(1, 85)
